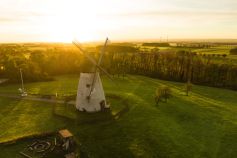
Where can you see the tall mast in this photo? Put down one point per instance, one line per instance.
(22, 83)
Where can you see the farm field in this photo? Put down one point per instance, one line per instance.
(212, 50)
(217, 52)
(203, 124)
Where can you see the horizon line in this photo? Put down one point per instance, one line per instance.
(163, 40)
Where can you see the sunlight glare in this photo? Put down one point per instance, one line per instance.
(64, 25)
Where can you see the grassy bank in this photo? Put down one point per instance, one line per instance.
(203, 124)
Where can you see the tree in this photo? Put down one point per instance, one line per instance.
(166, 93)
(163, 92)
(233, 51)
(188, 87)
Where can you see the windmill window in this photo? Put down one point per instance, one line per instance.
(88, 85)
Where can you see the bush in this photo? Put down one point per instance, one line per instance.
(224, 55)
(233, 51)
(162, 93)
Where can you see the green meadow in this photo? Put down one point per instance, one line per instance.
(203, 124)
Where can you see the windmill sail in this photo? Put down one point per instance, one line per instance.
(99, 62)
(91, 59)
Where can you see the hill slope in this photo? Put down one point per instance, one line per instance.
(203, 124)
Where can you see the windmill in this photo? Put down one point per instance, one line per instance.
(90, 94)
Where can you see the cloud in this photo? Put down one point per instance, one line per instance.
(180, 13)
(11, 17)
(6, 19)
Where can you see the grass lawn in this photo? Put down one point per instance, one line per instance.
(203, 124)
(214, 50)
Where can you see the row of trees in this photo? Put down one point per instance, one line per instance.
(39, 65)
(177, 66)
(119, 60)
(156, 44)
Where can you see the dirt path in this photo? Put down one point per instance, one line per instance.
(3, 80)
(33, 98)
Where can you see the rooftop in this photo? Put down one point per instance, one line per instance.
(65, 133)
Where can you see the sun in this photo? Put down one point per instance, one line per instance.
(70, 29)
(64, 34)
(65, 25)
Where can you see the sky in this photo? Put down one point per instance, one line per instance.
(94, 20)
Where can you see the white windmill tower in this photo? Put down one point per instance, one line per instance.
(90, 94)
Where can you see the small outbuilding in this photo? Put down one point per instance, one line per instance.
(66, 138)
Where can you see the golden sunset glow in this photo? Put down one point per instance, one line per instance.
(91, 20)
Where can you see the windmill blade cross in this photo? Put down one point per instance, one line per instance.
(99, 62)
(92, 60)
(103, 51)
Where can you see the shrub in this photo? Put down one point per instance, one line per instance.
(233, 51)
(162, 93)
(224, 55)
